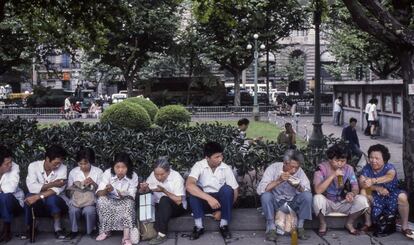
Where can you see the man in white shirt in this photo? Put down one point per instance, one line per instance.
(337, 111)
(285, 183)
(212, 187)
(373, 118)
(11, 196)
(46, 181)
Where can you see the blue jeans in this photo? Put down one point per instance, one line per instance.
(51, 205)
(225, 198)
(301, 204)
(9, 207)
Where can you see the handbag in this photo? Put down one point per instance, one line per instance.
(386, 225)
(148, 231)
(81, 195)
(134, 235)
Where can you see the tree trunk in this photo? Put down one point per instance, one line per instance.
(237, 75)
(130, 85)
(407, 63)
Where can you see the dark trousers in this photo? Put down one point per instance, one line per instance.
(51, 205)
(224, 196)
(9, 207)
(164, 211)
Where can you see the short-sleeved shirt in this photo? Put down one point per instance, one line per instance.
(284, 191)
(333, 192)
(173, 184)
(126, 186)
(212, 182)
(76, 174)
(367, 171)
(373, 115)
(37, 177)
(240, 140)
(9, 183)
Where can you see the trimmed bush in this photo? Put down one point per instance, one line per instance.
(148, 105)
(172, 115)
(128, 115)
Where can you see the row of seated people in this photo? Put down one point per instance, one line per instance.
(211, 187)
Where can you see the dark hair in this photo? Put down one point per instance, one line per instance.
(4, 153)
(370, 101)
(243, 121)
(339, 98)
(87, 154)
(288, 124)
(374, 101)
(55, 151)
(163, 163)
(353, 119)
(381, 148)
(211, 148)
(124, 158)
(339, 150)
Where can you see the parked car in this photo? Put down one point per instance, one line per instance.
(116, 98)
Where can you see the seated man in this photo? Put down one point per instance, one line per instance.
(240, 139)
(286, 183)
(212, 187)
(331, 182)
(350, 135)
(46, 181)
(287, 137)
(11, 196)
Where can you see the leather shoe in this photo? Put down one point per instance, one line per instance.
(197, 232)
(225, 233)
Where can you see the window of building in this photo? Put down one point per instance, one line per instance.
(345, 100)
(387, 100)
(397, 104)
(379, 104)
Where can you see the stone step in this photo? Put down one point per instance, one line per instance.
(249, 219)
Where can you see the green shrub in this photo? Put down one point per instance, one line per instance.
(128, 115)
(172, 115)
(148, 105)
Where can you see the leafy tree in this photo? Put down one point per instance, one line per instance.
(144, 27)
(353, 47)
(229, 25)
(391, 22)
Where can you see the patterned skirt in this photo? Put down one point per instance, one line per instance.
(115, 214)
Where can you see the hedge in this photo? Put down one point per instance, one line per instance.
(128, 115)
(172, 115)
(148, 105)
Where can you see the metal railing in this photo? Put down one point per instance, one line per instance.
(196, 111)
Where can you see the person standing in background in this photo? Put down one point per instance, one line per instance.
(337, 111)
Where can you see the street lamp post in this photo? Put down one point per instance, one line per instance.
(316, 139)
(256, 113)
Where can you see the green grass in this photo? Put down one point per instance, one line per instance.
(256, 129)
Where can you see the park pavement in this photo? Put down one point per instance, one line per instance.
(304, 130)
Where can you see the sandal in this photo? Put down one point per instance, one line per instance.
(408, 233)
(126, 241)
(355, 232)
(366, 228)
(322, 233)
(102, 236)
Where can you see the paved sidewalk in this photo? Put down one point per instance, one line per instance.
(305, 130)
(333, 237)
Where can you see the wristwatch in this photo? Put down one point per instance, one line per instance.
(42, 197)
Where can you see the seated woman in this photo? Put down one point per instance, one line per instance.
(116, 199)
(85, 176)
(380, 183)
(169, 196)
(330, 181)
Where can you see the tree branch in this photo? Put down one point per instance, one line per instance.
(390, 23)
(368, 25)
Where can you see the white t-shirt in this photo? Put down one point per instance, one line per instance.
(37, 177)
(337, 106)
(174, 184)
(9, 183)
(76, 174)
(372, 115)
(212, 182)
(126, 186)
(367, 107)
